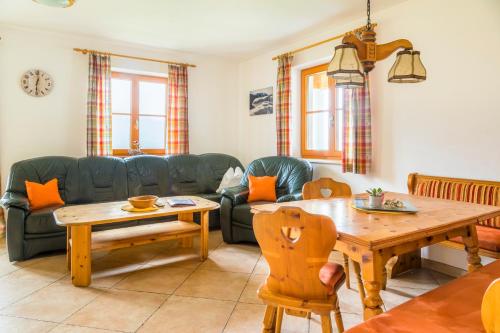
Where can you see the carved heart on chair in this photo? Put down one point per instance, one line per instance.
(326, 192)
(291, 234)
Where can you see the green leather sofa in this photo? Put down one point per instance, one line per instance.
(236, 217)
(100, 179)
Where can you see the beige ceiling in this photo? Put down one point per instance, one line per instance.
(234, 28)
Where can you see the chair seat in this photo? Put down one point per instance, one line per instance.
(332, 276)
(488, 238)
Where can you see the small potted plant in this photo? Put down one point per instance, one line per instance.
(376, 197)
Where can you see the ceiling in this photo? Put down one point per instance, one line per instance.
(231, 28)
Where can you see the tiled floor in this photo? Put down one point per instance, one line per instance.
(161, 288)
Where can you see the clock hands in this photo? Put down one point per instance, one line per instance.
(36, 84)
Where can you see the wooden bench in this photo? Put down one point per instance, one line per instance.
(469, 190)
(453, 307)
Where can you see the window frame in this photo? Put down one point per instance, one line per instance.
(332, 153)
(134, 112)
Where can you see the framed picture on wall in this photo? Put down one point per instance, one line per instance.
(261, 101)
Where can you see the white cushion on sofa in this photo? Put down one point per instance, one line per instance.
(231, 178)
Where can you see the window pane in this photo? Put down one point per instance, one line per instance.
(318, 131)
(339, 95)
(120, 95)
(339, 129)
(152, 98)
(318, 92)
(121, 132)
(152, 132)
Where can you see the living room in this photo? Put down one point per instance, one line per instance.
(234, 98)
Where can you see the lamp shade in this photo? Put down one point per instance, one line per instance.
(56, 3)
(408, 68)
(346, 68)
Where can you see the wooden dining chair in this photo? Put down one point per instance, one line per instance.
(313, 190)
(490, 308)
(296, 245)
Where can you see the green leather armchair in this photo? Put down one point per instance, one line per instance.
(235, 213)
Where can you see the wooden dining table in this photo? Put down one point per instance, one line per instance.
(371, 239)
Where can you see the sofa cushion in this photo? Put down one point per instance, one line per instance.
(100, 179)
(42, 222)
(147, 174)
(185, 175)
(488, 238)
(41, 170)
(214, 167)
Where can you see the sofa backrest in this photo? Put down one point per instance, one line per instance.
(459, 189)
(214, 167)
(41, 170)
(292, 172)
(147, 174)
(99, 179)
(184, 175)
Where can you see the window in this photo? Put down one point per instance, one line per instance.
(139, 111)
(322, 110)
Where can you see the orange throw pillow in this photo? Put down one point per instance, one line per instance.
(262, 188)
(43, 195)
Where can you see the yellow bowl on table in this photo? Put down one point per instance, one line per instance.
(143, 201)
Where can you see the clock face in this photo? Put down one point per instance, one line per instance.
(36, 83)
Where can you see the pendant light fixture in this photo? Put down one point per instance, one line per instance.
(56, 3)
(360, 53)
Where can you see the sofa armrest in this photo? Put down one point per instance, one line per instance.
(290, 197)
(17, 200)
(14, 222)
(237, 194)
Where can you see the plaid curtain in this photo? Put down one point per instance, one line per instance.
(177, 113)
(357, 150)
(99, 106)
(283, 104)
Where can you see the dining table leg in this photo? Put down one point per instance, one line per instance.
(372, 265)
(81, 260)
(472, 248)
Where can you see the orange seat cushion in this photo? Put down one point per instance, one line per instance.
(453, 307)
(43, 195)
(488, 238)
(331, 276)
(262, 188)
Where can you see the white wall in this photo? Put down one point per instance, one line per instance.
(447, 125)
(56, 124)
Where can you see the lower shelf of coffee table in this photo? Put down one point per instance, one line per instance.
(142, 234)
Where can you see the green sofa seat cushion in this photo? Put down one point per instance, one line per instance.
(42, 222)
(242, 213)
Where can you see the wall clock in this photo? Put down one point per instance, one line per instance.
(37, 83)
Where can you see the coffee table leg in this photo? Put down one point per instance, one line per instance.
(472, 248)
(204, 235)
(68, 247)
(80, 255)
(186, 242)
(372, 266)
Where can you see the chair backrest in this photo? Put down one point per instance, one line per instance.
(312, 189)
(296, 245)
(490, 308)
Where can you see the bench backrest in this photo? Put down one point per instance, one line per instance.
(459, 189)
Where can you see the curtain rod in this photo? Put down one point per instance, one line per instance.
(85, 51)
(355, 31)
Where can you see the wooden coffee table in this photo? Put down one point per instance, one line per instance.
(79, 220)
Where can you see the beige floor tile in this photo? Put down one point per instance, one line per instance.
(52, 303)
(155, 279)
(63, 328)
(45, 268)
(120, 310)
(21, 325)
(292, 324)
(240, 247)
(213, 284)
(19, 284)
(177, 257)
(229, 259)
(350, 301)
(214, 240)
(348, 319)
(441, 278)
(189, 315)
(262, 267)
(249, 294)
(246, 318)
(6, 266)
